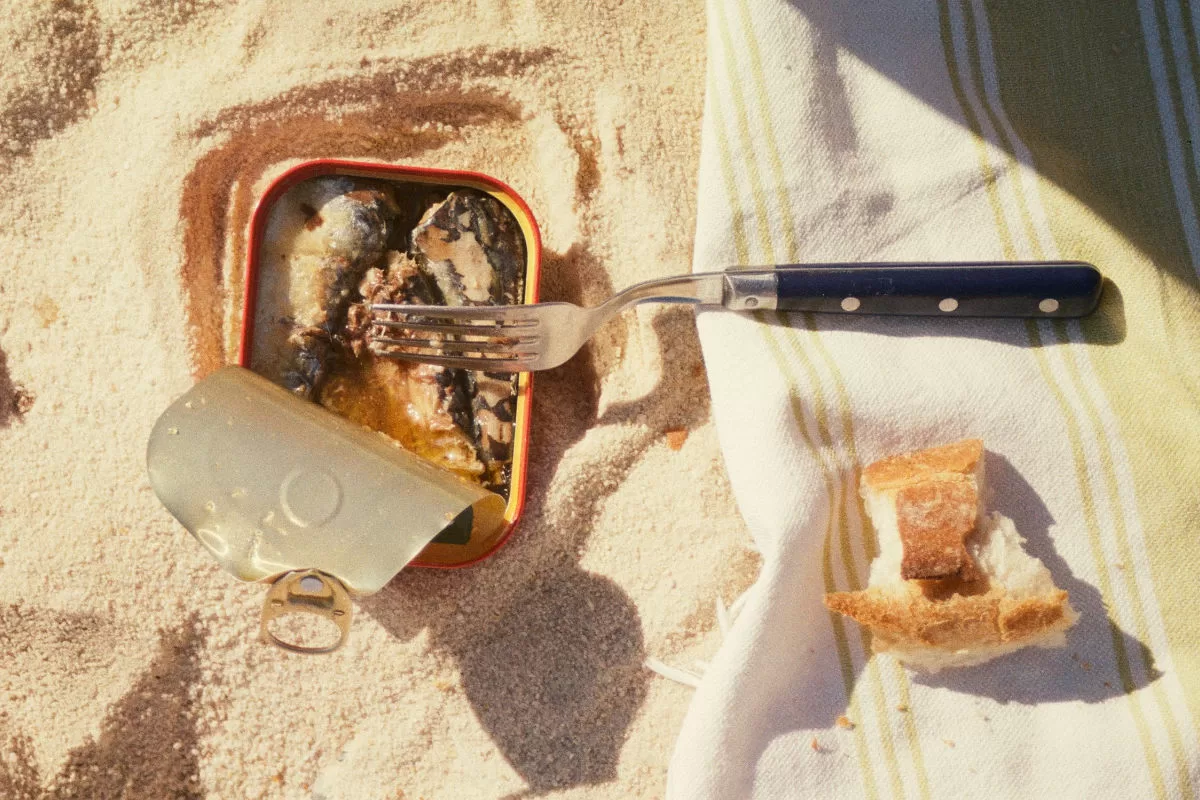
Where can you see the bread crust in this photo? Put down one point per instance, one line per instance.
(936, 496)
(954, 623)
(889, 473)
(934, 517)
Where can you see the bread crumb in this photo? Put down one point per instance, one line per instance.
(815, 746)
(22, 400)
(844, 722)
(46, 309)
(676, 437)
(902, 707)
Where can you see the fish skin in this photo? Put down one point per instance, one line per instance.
(493, 414)
(478, 231)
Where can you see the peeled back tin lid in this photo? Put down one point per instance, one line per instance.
(273, 486)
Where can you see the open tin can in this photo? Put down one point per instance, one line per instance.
(420, 186)
(406, 464)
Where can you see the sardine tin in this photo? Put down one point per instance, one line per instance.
(482, 543)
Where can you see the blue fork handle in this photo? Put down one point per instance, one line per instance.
(978, 289)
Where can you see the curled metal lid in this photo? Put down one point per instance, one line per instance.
(271, 484)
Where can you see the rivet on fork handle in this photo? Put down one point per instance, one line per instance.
(751, 290)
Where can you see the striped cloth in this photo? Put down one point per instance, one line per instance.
(958, 129)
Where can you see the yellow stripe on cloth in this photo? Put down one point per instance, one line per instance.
(787, 224)
(741, 118)
(742, 248)
(1126, 556)
(1159, 298)
(1176, 65)
(764, 108)
(796, 403)
(1075, 426)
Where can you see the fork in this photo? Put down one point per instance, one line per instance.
(542, 336)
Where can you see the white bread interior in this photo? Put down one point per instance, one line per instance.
(999, 600)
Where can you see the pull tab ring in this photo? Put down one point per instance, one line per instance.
(309, 592)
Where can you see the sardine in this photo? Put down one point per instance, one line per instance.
(437, 401)
(493, 414)
(473, 250)
(323, 236)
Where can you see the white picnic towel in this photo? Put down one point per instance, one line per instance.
(845, 130)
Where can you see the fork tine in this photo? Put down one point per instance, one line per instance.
(456, 347)
(453, 330)
(505, 314)
(518, 364)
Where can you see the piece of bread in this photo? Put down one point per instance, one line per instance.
(951, 586)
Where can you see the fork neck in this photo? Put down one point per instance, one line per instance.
(697, 289)
(742, 289)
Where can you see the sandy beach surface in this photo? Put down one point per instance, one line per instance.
(135, 136)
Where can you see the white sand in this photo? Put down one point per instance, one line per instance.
(136, 134)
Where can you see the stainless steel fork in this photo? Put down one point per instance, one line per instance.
(544, 335)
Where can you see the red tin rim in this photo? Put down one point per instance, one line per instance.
(326, 166)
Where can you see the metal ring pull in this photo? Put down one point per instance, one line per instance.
(309, 592)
